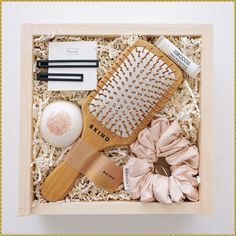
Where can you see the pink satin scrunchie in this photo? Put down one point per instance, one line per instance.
(163, 139)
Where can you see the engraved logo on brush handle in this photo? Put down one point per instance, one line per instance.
(107, 174)
(99, 132)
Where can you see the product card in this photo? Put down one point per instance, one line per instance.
(73, 51)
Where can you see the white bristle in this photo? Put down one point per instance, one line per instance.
(131, 92)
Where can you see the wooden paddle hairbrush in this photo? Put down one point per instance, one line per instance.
(136, 86)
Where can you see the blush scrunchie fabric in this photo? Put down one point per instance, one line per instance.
(163, 139)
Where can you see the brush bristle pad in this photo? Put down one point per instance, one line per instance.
(132, 91)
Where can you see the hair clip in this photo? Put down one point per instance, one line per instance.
(60, 77)
(67, 63)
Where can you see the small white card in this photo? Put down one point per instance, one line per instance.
(73, 51)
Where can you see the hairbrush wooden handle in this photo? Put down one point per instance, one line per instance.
(82, 158)
(59, 182)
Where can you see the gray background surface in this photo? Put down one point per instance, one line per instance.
(219, 14)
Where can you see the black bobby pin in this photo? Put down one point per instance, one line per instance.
(60, 77)
(67, 63)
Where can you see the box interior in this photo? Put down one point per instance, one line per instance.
(181, 106)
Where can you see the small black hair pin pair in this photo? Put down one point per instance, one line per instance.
(64, 64)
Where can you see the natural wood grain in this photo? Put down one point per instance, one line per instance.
(206, 127)
(64, 174)
(116, 207)
(25, 178)
(116, 29)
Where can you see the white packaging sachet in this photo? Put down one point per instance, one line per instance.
(177, 56)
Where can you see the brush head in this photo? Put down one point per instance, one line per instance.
(137, 85)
